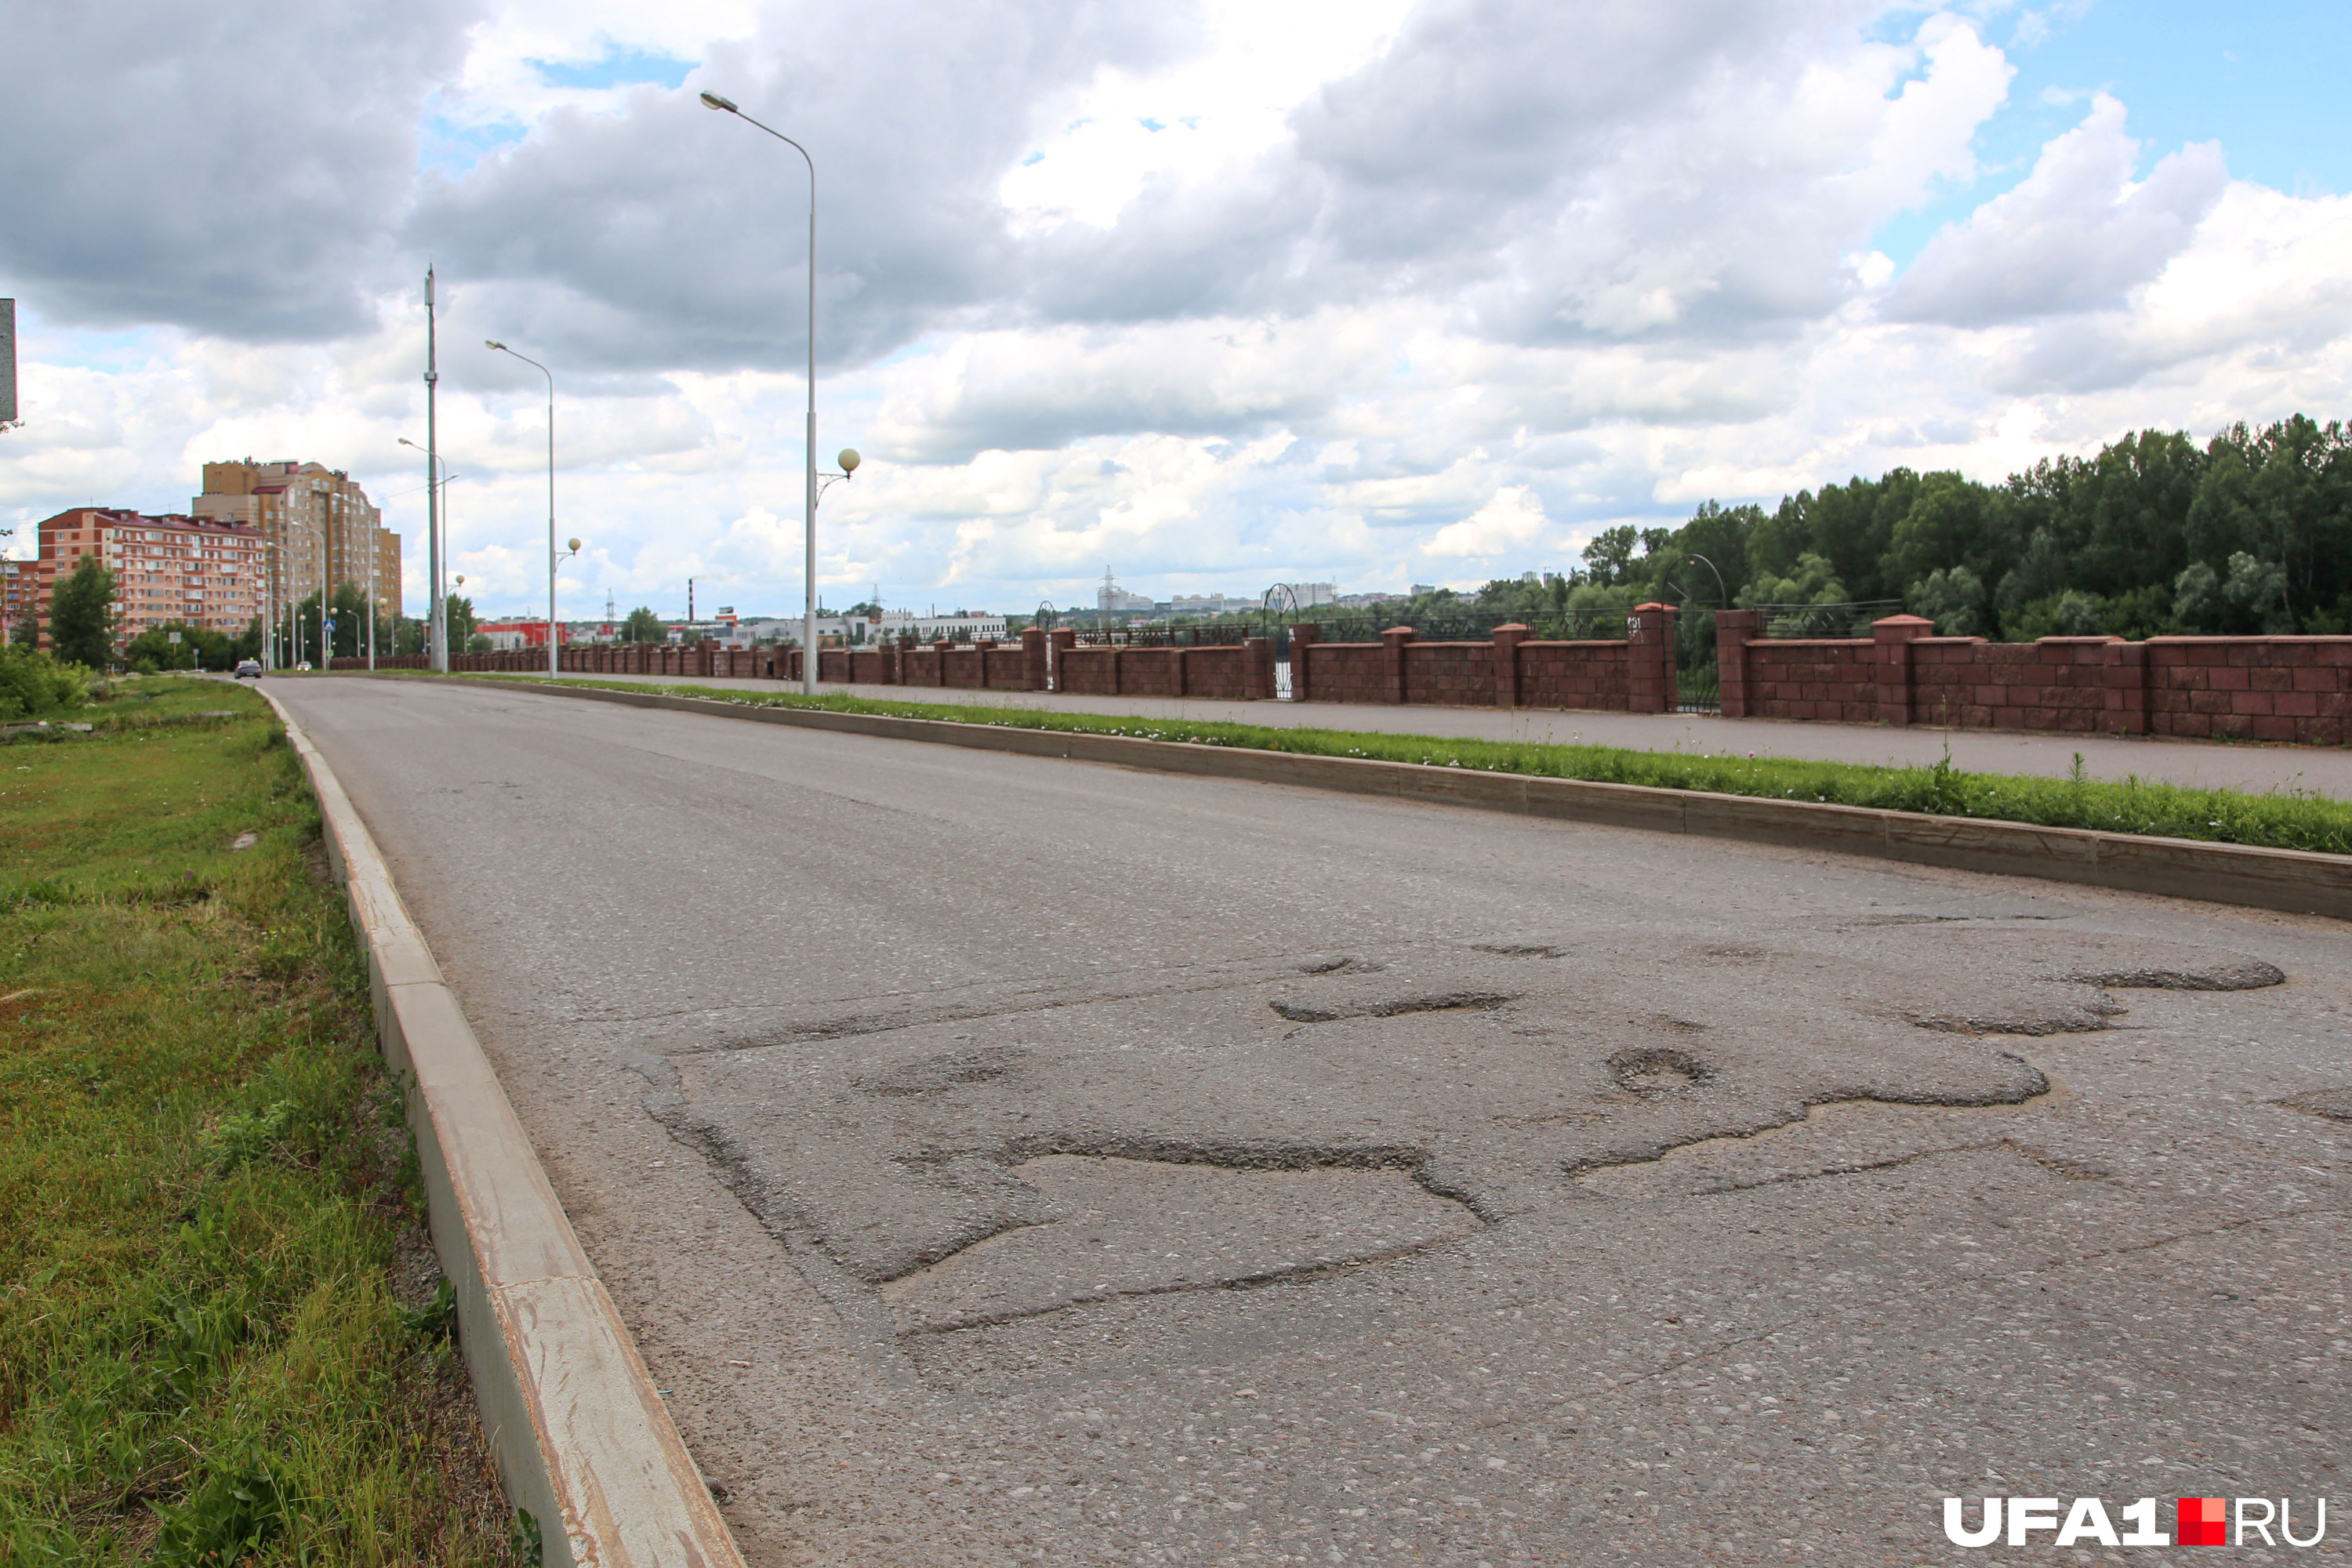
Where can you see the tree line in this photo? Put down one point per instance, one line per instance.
(2155, 535)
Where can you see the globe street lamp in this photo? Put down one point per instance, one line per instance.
(849, 459)
(494, 343)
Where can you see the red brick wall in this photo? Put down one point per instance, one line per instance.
(1088, 671)
(2059, 683)
(1835, 678)
(1006, 669)
(1347, 671)
(966, 667)
(1573, 675)
(1450, 674)
(2258, 689)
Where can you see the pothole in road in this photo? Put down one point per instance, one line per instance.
(2335, 1104)
(1452, 1001)
(1132, 1227)
(1653, 1070)
(2230, 973)
(1519, 950)
(937, 1075)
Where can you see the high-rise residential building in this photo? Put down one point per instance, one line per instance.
(168, 571)
(17, 579)
(322, 530)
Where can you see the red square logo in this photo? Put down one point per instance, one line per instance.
(2202, 1522)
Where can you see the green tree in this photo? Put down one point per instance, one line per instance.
(458, 620)
(199, 648)
(1953, 598)
(82, 616)
(643, 626)
(349, 614)
(1609, 556)
(32, 683)
(1811, 582)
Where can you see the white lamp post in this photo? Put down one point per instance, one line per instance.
(493, 343)
(849, 459)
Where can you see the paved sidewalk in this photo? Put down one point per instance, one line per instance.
(2325, 771)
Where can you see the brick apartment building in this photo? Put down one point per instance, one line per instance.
(172, 570)
(303, 509)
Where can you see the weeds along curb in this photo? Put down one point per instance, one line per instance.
(2294, 881)
(582, 1437)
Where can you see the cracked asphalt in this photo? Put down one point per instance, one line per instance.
(1008, 1160)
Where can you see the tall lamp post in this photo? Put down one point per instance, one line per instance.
(849, 459)
(493, 343)
(319, 534)
(436, 529)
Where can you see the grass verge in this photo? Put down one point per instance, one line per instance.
(205, 1196)
(2283, 820)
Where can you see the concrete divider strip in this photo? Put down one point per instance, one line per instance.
(2292, 880)
(580, 1432)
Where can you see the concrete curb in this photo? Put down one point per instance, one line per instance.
(2292, 880)
(581, 1436)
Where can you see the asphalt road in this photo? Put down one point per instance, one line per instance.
(1007, 1159)
(2202, 765)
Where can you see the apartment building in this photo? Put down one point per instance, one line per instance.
(15, 593)
(168, 571)
(322, 530)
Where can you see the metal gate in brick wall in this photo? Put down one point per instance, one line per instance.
(1699, 685)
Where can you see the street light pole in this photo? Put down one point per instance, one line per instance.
(436, 625)
(436, 629)
(552, 663)
(808, 609)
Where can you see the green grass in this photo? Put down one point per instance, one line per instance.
(202, 1189)
(2284, 820)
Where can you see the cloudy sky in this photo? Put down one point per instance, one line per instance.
(1211, 293)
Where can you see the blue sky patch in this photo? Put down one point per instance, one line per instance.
(2260, 79)
(450, 147)
(617, 68)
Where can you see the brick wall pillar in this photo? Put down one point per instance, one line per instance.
(1506, 664)
(2126, 693)
(1650, 679)
(1393, 643)
(940, 665)
(1258, 652)
(1734, 630)
(1057, 643)
(1033, 658)
(1302, 639)
(1892, 656)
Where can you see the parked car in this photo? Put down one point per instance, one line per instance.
(249, 667)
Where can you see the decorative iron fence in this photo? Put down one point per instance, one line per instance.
(1851, 620)
(1602, 625)
(1220, 634)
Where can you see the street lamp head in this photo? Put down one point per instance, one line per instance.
(494, 343)
(849, 459)
(712, 101)
(407, 442)
(575, 546)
